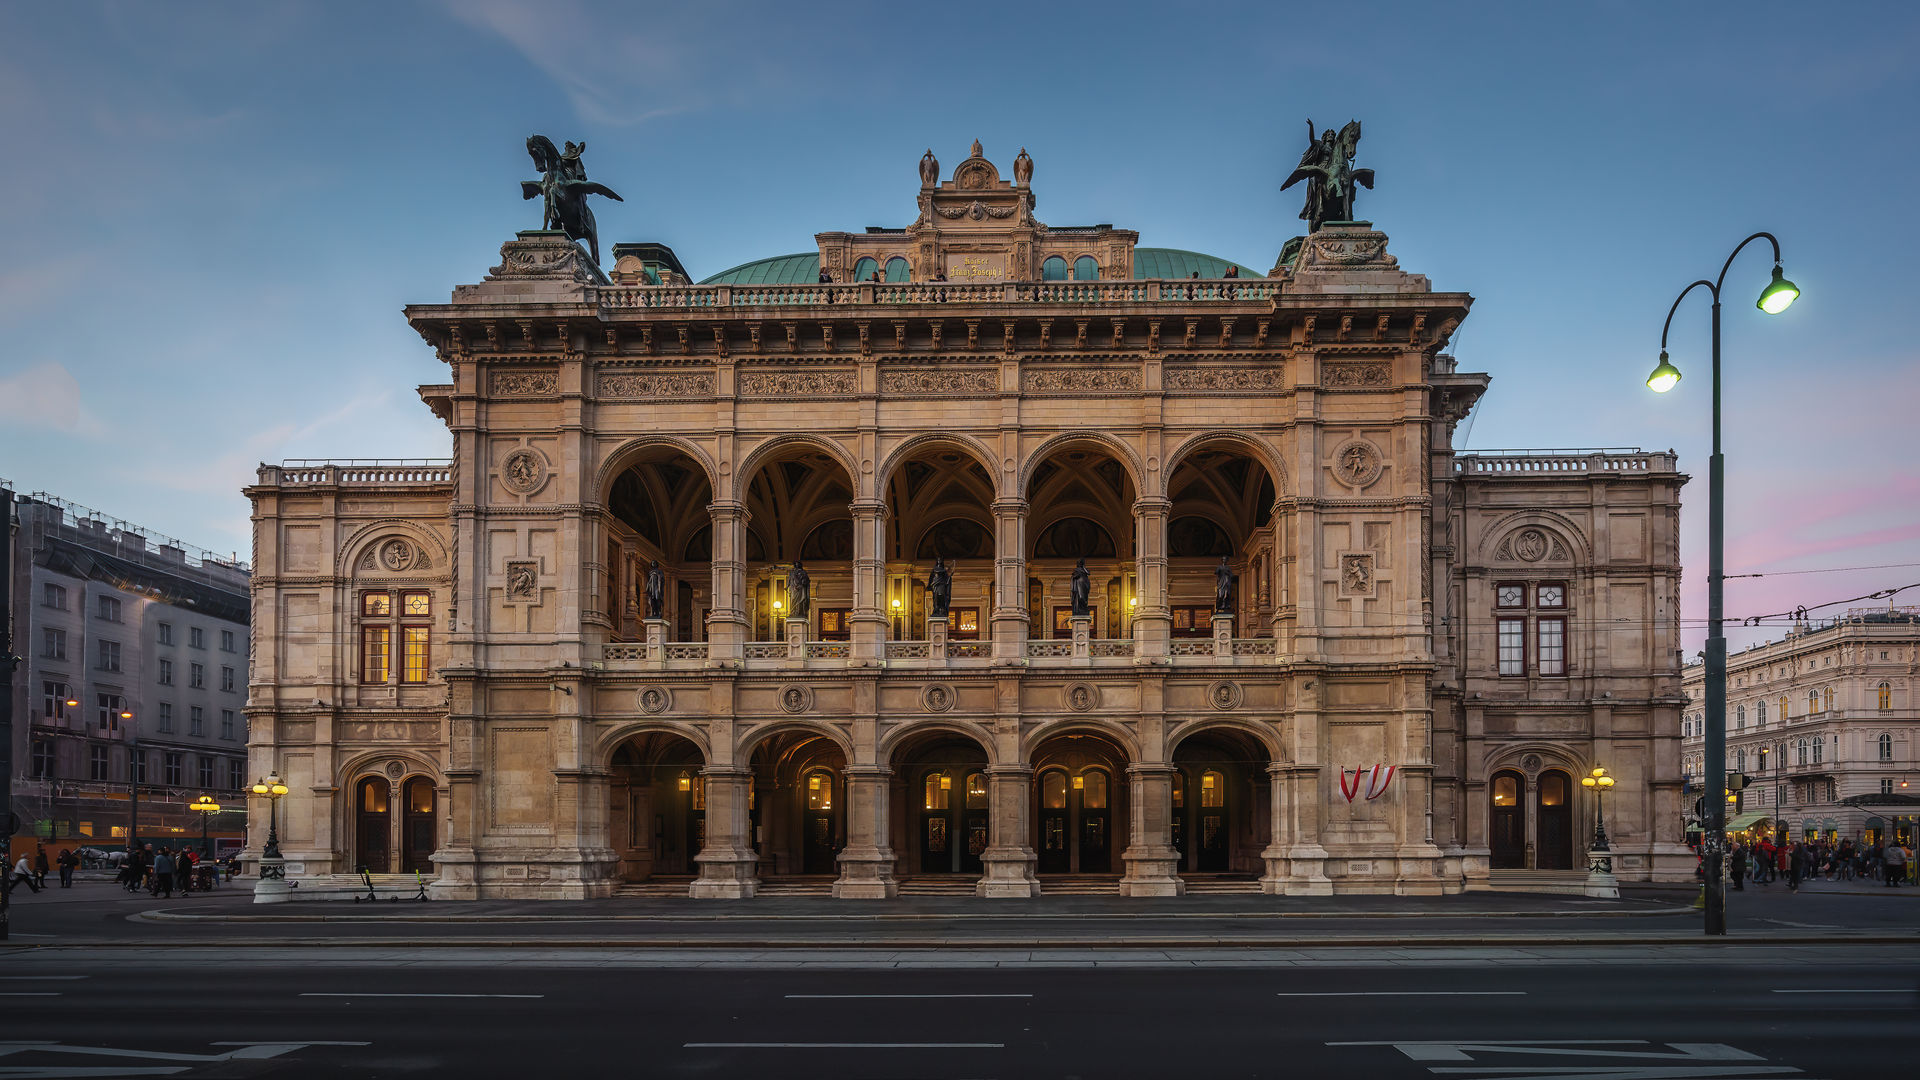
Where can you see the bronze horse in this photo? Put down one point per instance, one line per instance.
(564, 185)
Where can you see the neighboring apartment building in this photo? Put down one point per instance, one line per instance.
(459, 671)
(134, 652)
(1825, 724)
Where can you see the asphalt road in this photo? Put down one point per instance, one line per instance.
(1837, 1012)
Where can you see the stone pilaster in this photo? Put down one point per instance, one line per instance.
(1152, 863)
(1152, 620)
(1010, 630)
(1296, 863)
(727, 629)
(866, 864)
(1009, 860)
(727, 861)
(868, 620)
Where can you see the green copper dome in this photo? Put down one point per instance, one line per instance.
(804, 268)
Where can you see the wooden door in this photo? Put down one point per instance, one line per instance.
(1506, 822)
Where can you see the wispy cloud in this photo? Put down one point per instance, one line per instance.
(231, 471)
(48, 396)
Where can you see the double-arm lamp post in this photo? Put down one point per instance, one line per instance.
(1773, 300)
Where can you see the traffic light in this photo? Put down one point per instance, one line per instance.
(1737, 781)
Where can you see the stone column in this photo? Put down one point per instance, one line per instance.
(1152, 863)
(1010, 628)
(866, 863)
(1152, 620)
(727, 629)
(1296, 863)
(727, 859)
(868, 621)
(1009, 859)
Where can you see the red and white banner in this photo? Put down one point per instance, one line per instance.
(1377, 779)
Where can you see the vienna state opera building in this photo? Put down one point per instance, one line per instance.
(1321, 652)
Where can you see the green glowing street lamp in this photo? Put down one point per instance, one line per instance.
(1774, 299)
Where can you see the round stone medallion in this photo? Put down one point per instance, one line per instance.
(1357, 463)
(1082, 697)
(796, 699)
(655, 700)
(937, 697)
(523, 471)
(1225, 695)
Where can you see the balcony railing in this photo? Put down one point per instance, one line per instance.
(1039, 652)
(383, 473)
(1564, 462)
(917, 293)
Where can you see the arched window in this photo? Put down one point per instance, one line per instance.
(1053, 269)
(1813, 701)
(897, 269)
(1740, 760)
(1885, 692)
(864, 269)
(1213, 789)
(1760, 713)
(1740, 716)
(1886, 746)
(1818, 744)
(1829, 698)
(937, 786)
(1800, 752)
(1085, 269)
(1783, 709)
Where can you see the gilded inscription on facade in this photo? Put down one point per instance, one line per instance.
(977, 268)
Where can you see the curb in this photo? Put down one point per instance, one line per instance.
(996, 944)
(159, 916)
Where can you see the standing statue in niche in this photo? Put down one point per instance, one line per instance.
(1224, 581)
(564, 186)
(940, 588)
(1082, 587)
(929, 169)
(656, 591)
(1327, 167)
(799, 592)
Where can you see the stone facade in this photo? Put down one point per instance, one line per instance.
(1824, 724)
(1289, 435)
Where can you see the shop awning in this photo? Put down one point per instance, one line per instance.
(1745, 821)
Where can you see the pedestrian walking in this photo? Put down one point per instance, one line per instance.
(1895, 861)
(22, 873)
(163, 873)
(68, 863)
(1740, 866)
(183, 871)
(40, 865)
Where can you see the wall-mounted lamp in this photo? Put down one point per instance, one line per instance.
(567, 690)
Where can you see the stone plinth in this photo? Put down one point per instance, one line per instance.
(1223, 637)
(937, 638)
(656, 641)
(1082, 638)
(272, 888)
(1348, 257)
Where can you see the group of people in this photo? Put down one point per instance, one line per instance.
(160, 873)
(33, 874)
(1764, 862)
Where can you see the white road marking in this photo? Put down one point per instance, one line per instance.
(521, 996)
(1407, 993)
(840, 1046)
(1845, 991)
(912, 997)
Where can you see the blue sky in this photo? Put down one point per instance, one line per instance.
(213, 213)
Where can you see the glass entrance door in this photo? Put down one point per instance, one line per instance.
(1554, 849)
(418, 834)
(1212, 830)
(1055, 854)
(1506, 824)
(373, 826)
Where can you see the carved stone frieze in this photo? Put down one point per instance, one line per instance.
(395, 554)
(1235, 379)
(1350, 375)
(524, 383)
(966, 380)
(543, 257)
(796, 383)
(523, 582)
(1356, 575)
(1081, 380)
(657, 385)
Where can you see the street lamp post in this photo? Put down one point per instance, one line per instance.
(135, 774)
(206, 808)
(1599, 783)
(1778, 294)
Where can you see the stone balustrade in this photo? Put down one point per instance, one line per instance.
(1065, 293)
(368, 473)
(1565, 463)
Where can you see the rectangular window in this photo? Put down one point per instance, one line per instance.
(376, 605)
(196, 675)
(833, 624)
(236, 775)
(1510, 594)
(1193, 621)
(963, 624)
(206, 772)
(1513, 646)
(415, 605)
(108, 608)
(109, 706)
(375, 645)
(139, 767)
(53, 644)
(42, 759)
(109, 659)
(1550, 594)
(1886, 787)
(166, 717)
(54, 703)
(414, 659)
(174, 769)
(166, 633)
(226, 723)
(96, 762)
(1552, 640)
(196, 720)
(1063, 622)
(196, 637)
(226, 641)
(166, 672)
(54, 596)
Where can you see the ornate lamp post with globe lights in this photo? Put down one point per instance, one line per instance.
(1775, 299)
(1600, 879)
(272, 887)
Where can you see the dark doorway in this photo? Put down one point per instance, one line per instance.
(819, 849)
(657, 806)
(419, 835)
(373, 826)
(801, 825)
(1220, 817)
(945, 805)
(1554, 848)
(1506, 824)
(1076, 803)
